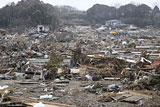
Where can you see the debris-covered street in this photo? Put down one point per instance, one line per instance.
(73, 93)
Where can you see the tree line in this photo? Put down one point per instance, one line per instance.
(30, 13)
(27, 13)
(141, 15)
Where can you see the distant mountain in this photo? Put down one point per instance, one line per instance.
(141, 15)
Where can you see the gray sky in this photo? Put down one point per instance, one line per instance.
(85, 4)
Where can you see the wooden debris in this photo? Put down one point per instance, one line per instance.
(27, 82)
(111, 78)
(133, 99)
(33, 102)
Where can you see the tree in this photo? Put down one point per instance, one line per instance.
(52, 65)
(126, 11)
(54, 61)
(101, 13)
(139, 15)
(155, 10)
(157, 19)
(26, 14)
(154, 15)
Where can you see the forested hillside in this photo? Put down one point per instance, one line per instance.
(27, 13)
(141, 15)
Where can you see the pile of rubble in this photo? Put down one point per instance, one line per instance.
(46, 69)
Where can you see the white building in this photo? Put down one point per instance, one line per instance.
(43, 28)
(113, 22)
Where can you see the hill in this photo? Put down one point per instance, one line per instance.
(141, 15)
(27, 13)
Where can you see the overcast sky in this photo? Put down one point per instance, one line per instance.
(85, 4)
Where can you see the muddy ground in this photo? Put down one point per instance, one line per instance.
(70, 94)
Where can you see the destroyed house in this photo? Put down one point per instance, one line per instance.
(43, 28)
(2, 32)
